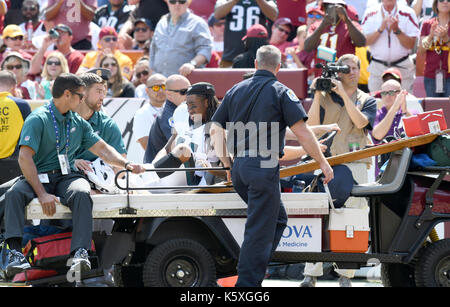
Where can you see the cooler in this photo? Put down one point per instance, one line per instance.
(349, 230)
(423, 123)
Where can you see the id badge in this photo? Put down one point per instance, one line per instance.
(439, 81)
(43, 178)
(64, 164)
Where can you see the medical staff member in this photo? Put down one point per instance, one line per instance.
(269, 107)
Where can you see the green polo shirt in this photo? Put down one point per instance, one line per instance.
(38, 132)
(105, 127)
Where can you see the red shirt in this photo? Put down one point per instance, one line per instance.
(433, 60)
(293, 9)
(214, 61)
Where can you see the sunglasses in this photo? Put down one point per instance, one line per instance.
(81, 96)
(106, 65)
(109, 39)
(53, 63)
(444, 1)
(16, 38)
(29, 8)
(181, 92)
(140, 29)
(317, 16)
(142, 73)
(390, 93)
(11, 67)
(157, 88)
(179, 1)
(283, 30)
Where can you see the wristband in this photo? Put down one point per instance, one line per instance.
(379, 31)
(126, 165)
(398, 32)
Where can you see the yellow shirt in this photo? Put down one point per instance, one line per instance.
(361, 53)
(125, 63)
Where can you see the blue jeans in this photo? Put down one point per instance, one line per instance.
(431, 89)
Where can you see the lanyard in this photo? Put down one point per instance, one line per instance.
(57, 131)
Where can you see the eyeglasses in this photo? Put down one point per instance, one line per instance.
(106, 65)
(16, 38)
(140, 29)
(390, 93)
(283, 30)
(157, 87)
(181, 92)
(78, 94)
(142, 73)
(109, 39)
(12, 67)
(179, 1)
(317, 16)
(29, 8)
(53, 63)
(444, 1)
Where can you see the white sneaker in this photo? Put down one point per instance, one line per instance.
(309, 282)
(344, 282)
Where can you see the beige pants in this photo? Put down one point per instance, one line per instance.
(406, 68)
(359, 172)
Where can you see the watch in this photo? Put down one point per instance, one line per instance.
(193, 62)
(397, 32)
(126, 165)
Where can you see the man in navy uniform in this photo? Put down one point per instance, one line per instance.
(255, 172)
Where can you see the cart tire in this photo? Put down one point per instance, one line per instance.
(433, 266)
(179, 263)
(397, 275)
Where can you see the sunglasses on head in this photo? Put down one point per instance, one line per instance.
(317, 16)
(181, 92)
(11, 67)
(108, 39)
(390, 93)
(54, 63)
(106, 65)
(157, 88)
(142, 73)
(283, 30)
(179, 1)
(16, 38)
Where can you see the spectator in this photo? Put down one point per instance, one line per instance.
(141, 74)
(434, 42)
(161, 131)
(75, 14)
(148, 9)
(107, 45)
(13, 42)
(295, 10)
(55, 64)
(30, 12)
(63, 44)
(336, 31)
(181, 42)
(143, 32)
(391, 30)
(113, 14)
(392, 74)
(281, 30)
(256, 37)
(13, 14)
(423, 9)
(146, 116)
(217, 27)
(361, 6)
(301, 58)
(17, 64)
(4, 4)
(240, 16)
(118, 86)
(314, 14)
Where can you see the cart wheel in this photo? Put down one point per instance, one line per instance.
(397, 275)
(433, 267)
(179, 263)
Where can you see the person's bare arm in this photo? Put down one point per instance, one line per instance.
(52, 11)
(224, 9)
(87, 11)
(268, 9)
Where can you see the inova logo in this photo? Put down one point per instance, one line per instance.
(299, 231)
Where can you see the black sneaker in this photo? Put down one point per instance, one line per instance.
(17, 263)
(80, 261)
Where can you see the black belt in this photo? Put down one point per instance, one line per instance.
(389, 64)
(54, 172)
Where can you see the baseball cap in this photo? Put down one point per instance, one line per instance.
(201, 88)
(148, 22)
(393, 72)
(12, 31)
(335, 2)
(315, 10)
(64, 28)
(283, 21)
(213, 20)
(26, 63)
(107, 31)
(102, 72)
(256, 30)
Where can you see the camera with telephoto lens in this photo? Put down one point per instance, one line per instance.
(329, 72)
(53, 34)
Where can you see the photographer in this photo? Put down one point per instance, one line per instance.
(354, 111)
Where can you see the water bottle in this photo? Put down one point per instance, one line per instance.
(29, 32)
(290, 63)
(298, 186)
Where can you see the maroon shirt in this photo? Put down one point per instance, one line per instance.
(293, 9)
(433, 60)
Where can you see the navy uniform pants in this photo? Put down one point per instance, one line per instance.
(266, 217)
(73, 190)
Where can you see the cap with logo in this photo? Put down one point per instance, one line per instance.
(107, 31)
(12, 31)
(256, 31)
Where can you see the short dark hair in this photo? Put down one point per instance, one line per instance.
(90, 79)
(7, 78)
(66, 81)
